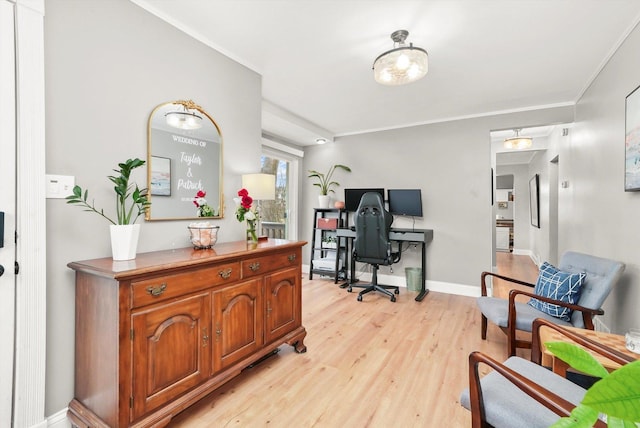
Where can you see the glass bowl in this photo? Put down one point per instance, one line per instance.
(203, 235)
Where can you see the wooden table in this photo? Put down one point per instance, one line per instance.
(614, 341)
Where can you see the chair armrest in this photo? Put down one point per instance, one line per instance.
(604, 350)
(551, 401)
(587, 313)
(485, 274)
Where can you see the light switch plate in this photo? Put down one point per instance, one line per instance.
(59, 186)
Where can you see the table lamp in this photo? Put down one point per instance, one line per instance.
(261, 187)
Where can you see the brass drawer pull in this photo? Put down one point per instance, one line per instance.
(156, 291)
(254, 266)
(225, 274)
(291, 257)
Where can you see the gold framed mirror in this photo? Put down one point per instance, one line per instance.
(184, 156)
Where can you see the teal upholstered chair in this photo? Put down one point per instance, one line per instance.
(521, 393)
(601, 275)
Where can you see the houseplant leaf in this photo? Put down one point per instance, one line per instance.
(618, 394)
(577, 358)
(581, 417)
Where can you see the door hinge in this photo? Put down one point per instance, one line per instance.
(131, 402)
(16, 268)
(131, 334)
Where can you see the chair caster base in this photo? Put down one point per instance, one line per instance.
(359, 298)
(397, 291)
(393, 298)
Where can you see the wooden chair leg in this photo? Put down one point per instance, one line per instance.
(511, 341)
(483, 327)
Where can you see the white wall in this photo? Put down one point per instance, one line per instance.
(108, 63)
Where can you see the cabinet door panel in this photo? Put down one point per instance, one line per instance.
(282, 294)
(171, 351)
(238, 314)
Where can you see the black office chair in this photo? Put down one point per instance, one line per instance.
(371, 244)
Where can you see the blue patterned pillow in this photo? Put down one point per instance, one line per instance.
(558, 285)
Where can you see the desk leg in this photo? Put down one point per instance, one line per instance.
(350, 262)
(423, 290)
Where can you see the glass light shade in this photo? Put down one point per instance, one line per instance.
(261, 187)
(402, 65)
(183, 120)
(518, 143)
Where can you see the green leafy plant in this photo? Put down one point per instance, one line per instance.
(324, 180)
(124, 191)
(616, 394)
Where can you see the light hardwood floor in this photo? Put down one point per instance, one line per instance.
(369, 364)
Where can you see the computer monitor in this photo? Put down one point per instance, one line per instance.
(405, 202)
(352, 197)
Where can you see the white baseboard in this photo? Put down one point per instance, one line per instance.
(438, 286)
(59, 420)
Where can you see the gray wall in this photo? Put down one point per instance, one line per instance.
(108, 63)
(544, 241)
(595, 214)
(451, 163)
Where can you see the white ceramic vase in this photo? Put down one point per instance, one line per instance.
(324, 201)
(124, 241)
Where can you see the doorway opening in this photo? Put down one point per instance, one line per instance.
(512, 229)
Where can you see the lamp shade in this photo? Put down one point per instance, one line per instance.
(401, 65)
(183, 120)
(518, 142)
(261, 187)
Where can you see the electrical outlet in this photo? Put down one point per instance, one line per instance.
(59, 186)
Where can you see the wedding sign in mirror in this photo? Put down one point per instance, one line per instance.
(184, 163)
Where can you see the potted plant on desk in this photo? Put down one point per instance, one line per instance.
(325, 183)
(124, 231)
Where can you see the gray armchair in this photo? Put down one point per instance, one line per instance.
(519, 392)
(371, 244)
(601, 275)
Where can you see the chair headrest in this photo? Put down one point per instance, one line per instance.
(371, 199)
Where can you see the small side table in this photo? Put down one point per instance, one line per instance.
(614, 341)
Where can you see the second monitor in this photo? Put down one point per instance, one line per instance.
(405, 202)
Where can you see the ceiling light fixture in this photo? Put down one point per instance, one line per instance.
(402, 64)
(185, 119)
(518, 142)
(321, 140)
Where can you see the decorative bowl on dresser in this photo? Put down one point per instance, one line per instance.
(156, 334)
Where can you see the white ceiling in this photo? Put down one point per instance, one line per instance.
(485, 56)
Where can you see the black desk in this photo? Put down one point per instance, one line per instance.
(417, 236)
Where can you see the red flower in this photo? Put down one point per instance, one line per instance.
(246, 202)
(201, 194)
(243, 192)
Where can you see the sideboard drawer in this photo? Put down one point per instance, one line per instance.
(260, 265)
(167, 287)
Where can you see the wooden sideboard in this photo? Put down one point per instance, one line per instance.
(156, 334)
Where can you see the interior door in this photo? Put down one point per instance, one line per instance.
(7, 206)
